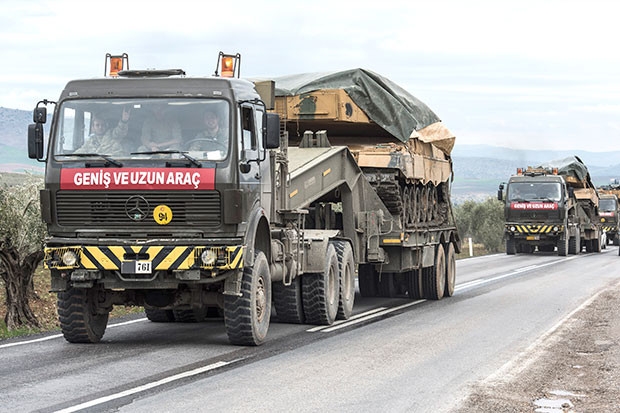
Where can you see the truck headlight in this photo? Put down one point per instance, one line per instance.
(209, 257)
(69, 258)
(513, 229)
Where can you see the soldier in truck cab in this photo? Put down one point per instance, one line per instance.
(213, 137)
(160, 131)
(106, 141)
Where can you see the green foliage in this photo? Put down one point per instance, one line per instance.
(21, 227)
(482, 221)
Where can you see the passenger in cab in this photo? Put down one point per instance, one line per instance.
(106, 141)
(160, 131)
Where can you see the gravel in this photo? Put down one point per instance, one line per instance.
(575, 368)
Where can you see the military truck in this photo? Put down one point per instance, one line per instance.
(553, 205)
(248, 220)
(608, 211)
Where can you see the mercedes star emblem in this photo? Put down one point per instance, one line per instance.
(137, 208)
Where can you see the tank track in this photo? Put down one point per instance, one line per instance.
(416, 204)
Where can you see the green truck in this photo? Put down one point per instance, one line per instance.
(263, 217)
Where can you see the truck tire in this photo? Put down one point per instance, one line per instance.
(368, 280)
(511, 246)
(387, 285)
(574, 244)
(287, 301)
(159, 316)
(414, 279)
(79, 320)
(346, 270)
(320, 291)
(247, 316)
(562, 247)
(450, 271)
(434, 278)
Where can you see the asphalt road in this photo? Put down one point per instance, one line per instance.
(394, 355)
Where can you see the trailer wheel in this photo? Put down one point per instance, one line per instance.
(368, 280)
(320, 291)
(435, 278)
(387, 285)
(288, 302)
(450, 271)
(414, 282)
(574, 244)
(247, 317)
(346, 270)
(159, 316)
(562, 247)
(511, 246)
(80, 321)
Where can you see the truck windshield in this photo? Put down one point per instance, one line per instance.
(534, 191)
(607, 204)
(142, 128)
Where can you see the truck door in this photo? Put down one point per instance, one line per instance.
(256, 182)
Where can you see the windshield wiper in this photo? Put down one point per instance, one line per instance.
(171, 151)
(90, 155)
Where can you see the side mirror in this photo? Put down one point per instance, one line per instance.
(35, 141)
(500, 192)
(39, 114)
(272, 134)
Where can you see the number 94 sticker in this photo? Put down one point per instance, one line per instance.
(162, 214)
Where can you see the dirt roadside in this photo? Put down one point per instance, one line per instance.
(575, 368)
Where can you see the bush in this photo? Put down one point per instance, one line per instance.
(483, 222)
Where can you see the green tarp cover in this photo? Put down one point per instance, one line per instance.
(570, 166)
(382, 100)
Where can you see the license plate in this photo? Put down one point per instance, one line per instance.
(533, 237)
(136, 267)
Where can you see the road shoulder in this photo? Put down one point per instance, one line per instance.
(575, 368)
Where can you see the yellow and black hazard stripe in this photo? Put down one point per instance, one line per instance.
(609, 228)
(534, 228)
(162, 258)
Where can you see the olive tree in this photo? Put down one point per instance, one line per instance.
(22, 235)
(482, 221)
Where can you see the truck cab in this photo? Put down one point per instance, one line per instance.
(608, 213)
(535, 211)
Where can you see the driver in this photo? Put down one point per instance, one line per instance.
(212, 137)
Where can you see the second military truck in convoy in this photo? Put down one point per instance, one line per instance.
(554, 205)
(223, 199)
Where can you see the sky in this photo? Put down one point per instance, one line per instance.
(523, 74)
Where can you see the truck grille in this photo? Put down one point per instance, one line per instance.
(109, 208)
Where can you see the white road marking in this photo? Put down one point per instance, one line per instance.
(147, 386)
